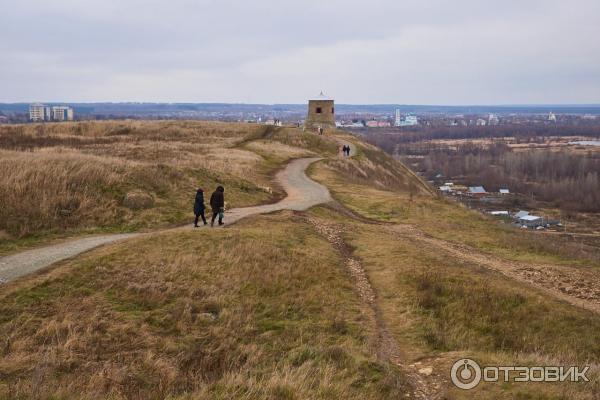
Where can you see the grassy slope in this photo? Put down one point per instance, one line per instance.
(435, 304)
(260, 310)
(391, 202)
(265, 310)
(67, 179)
(439, 306)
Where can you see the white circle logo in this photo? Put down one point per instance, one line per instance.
(465, 374)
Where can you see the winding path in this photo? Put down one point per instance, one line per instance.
(302, 194)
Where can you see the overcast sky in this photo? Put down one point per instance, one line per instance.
(283, 51)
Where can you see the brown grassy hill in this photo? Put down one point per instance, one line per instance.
(123, 176)
(372, 298)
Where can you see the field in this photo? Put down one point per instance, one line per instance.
(374, 296)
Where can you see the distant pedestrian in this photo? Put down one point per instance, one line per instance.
(217, 203)
(199, 207)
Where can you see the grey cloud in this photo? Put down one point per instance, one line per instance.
(409, 51)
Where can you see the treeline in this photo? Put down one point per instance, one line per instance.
(389, 140)
(564, 179)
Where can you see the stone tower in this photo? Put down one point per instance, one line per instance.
(321, 113)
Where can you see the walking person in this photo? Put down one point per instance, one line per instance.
(217, 203)
(199, 207)
(345, 150)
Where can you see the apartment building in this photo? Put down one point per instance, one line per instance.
(40, 112)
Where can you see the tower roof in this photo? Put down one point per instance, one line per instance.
(321, 96)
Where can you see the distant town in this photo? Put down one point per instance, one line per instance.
(347, 116)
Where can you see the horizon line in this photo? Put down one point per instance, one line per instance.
(346, 104)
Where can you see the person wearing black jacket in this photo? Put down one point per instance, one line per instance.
(199, 207)
(217, 203)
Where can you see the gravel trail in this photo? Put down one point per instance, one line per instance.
(302, 194)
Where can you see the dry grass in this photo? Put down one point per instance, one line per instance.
(43, 190)
(264, 309)
(437, 304)
(450, 221)
(444, 308)
(72, 178)
(196, 131)
(277, 150)
(374, 168)
(260, 310)
(304, 140)
(63, 189)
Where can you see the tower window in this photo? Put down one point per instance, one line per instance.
(319, 110)
(332, 110)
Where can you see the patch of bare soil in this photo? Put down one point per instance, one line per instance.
(426, 379)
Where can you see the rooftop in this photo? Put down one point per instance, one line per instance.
(529, 218)
(477, 189)
(321, 96)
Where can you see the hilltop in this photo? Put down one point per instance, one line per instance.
(372, 295)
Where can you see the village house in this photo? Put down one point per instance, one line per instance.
(477, 191)
(531, 221)
(521, 214)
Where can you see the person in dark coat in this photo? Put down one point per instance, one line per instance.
(199, 207)
(217, 203)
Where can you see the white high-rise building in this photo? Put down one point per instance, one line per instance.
(552, 117)
(62, 113)
(37, 112)
(398, 120)
(41, 112)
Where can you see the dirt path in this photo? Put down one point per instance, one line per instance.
(14, 266)
(302, 193)
(576, 286)
(426, 383)
(341, 142)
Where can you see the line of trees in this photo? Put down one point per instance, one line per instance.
(567, 180)
(388, 141)
(561, 178)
